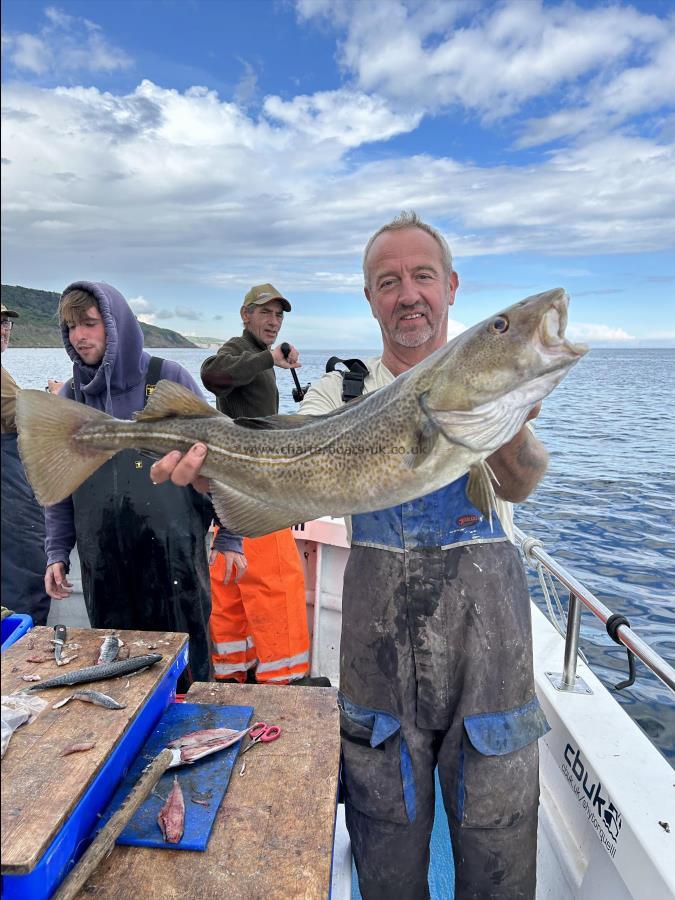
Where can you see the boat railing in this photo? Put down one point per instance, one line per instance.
(617, 626)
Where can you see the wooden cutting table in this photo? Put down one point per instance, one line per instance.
(40, 788)
(273, 835)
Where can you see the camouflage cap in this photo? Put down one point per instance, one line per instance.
(263, 293)
(9, 313)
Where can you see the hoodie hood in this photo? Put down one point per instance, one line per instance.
(120, 369)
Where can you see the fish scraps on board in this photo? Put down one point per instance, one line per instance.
(80, 747)
(95, 697)
(171, 818)
(432, 424)
(110, 649)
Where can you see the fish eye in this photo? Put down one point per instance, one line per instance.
(500, 325)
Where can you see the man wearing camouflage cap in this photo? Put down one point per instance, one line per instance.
(258, 617)
(23, 525)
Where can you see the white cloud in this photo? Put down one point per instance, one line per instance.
(143, 309)
(187, 312)
(29, 52)
(246, 88)
(211, 194)
(588, 331)
(344, 117)
(326, 282)
(635, 91)
(488, 58)
(63, 44)
(141, 305)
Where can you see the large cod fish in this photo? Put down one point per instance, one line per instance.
(434, 423)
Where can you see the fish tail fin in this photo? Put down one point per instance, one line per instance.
(55, 464)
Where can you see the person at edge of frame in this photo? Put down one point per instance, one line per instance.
(142, 548)
(436, 648)
(259, 615)
(23, 521)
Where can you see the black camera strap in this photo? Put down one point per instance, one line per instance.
(353, 379)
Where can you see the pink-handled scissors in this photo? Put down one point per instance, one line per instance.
(261, 732)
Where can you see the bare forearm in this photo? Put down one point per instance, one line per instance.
(519, 466)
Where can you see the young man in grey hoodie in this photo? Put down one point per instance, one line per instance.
(142, 546)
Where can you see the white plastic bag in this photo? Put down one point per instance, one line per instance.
(17, 709)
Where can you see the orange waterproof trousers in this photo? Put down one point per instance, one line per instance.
(261, 622)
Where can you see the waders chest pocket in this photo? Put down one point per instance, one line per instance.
(498, 774)
(377, 769)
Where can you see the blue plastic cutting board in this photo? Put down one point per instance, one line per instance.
(205, 780)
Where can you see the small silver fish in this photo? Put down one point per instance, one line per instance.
(100, 673)
(109, 649)
(98, 698)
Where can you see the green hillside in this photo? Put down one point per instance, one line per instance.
(37, 325)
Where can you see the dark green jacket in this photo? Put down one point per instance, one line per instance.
(241, 375)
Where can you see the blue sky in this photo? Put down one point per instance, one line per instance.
(184, 150)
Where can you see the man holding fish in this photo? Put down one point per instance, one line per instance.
(436, 649)
(435, 631)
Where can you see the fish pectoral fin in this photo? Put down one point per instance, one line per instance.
(170, 399)
(425, 441)
(55, 463)
(480, 489)
(248, 516)
(482, 429)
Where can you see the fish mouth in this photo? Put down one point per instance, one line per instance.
(551, 331)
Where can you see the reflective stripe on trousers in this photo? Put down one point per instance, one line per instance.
(261, 620)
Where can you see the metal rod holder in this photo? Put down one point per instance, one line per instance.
(568, 680)
(571, 641)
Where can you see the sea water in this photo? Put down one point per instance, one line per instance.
(605, 508)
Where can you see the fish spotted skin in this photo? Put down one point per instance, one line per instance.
(432, 424)
(171, 818)
(99, 673)
(99, 699)
(109, 649)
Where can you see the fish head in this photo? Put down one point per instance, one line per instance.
(521, 352)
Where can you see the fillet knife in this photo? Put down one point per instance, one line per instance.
(60, 635)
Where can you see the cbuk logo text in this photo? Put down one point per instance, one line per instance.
(603, 815)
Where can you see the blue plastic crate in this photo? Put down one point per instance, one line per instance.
(78, 830)
(13, 627)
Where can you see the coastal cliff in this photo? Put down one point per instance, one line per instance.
(37, 325)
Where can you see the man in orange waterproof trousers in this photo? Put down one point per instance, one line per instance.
(258, 616)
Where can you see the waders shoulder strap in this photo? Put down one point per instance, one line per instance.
(152, 375)
(353, 379)
(151, 379)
